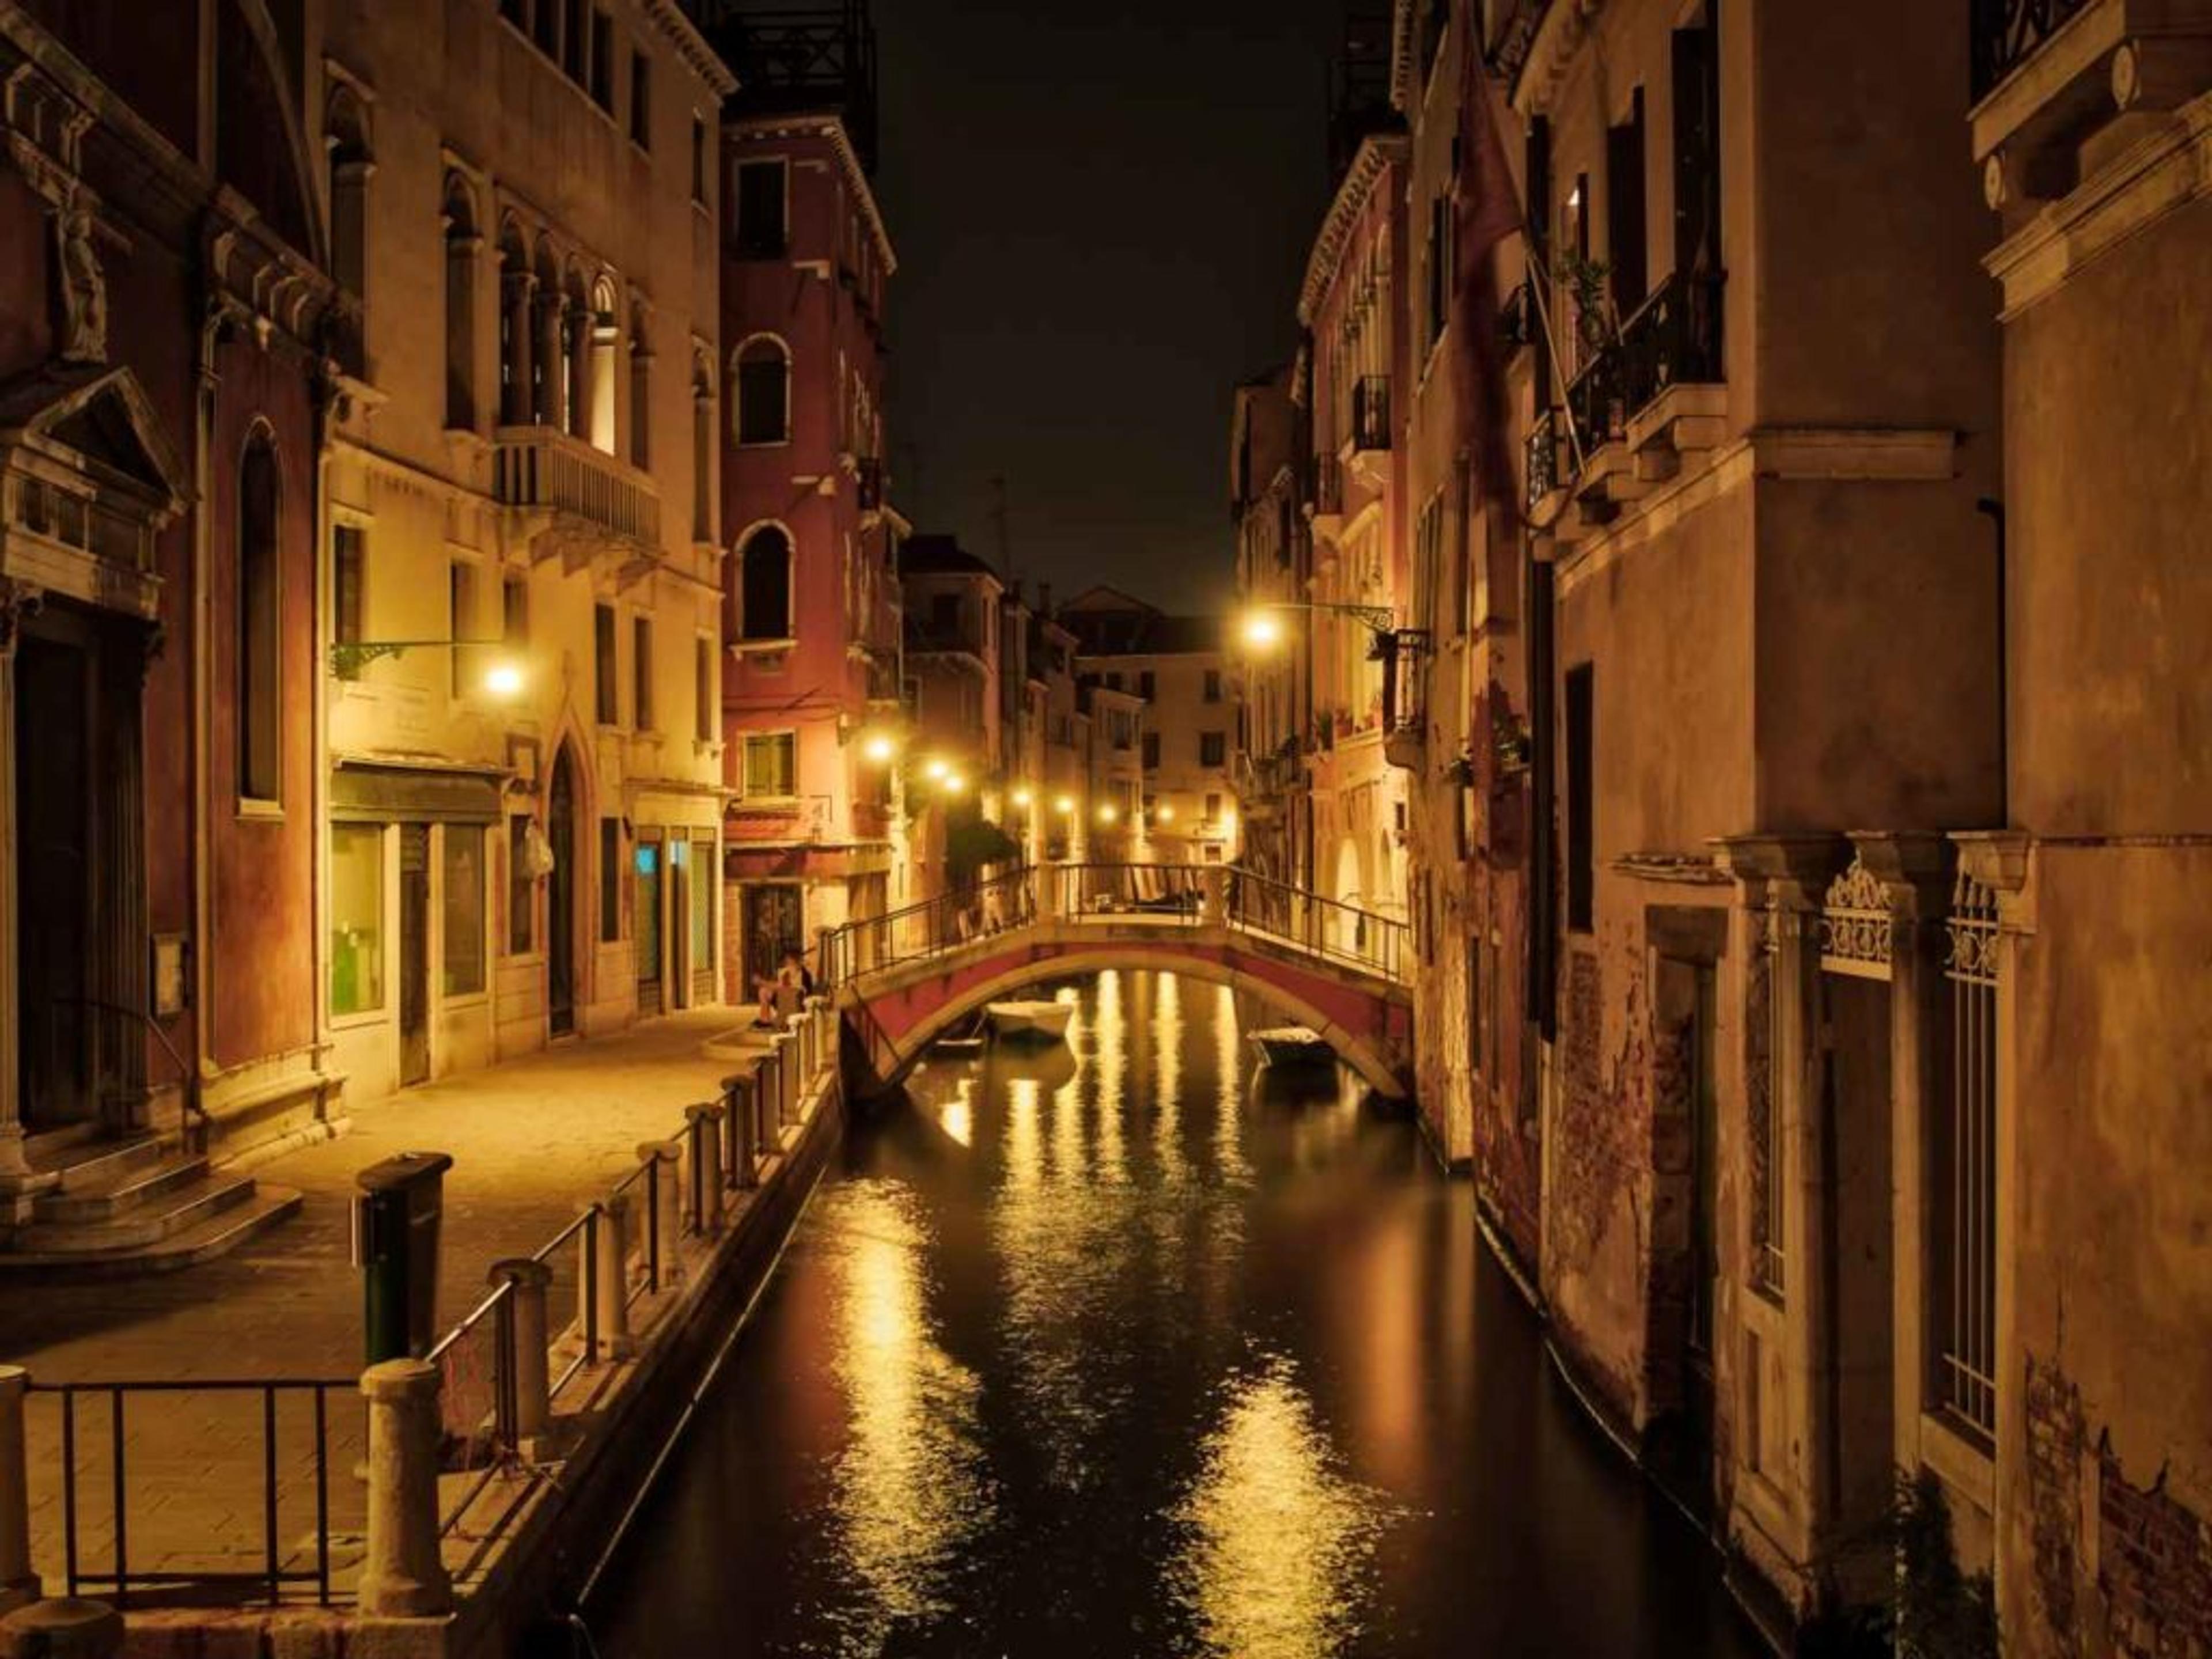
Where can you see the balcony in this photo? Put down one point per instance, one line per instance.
(1327, 487)
(2007, 33)
(1371, 415)
(924, 641)
(572, 496)
(1542, 469)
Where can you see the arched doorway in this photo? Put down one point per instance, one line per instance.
(561, 897)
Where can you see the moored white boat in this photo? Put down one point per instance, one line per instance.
(1031, 1021)
(1285, 1046)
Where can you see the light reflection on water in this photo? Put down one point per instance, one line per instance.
(1278, 1545)
(912, 1486)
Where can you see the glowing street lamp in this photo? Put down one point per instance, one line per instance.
(503, 680)
(935, 768)
(1064, 806)
(1164, 812)
(1107, 814)
(877, 748)
(953, 783)
(1262, 630)
(1022, 798)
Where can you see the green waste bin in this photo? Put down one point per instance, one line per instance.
(395, 1247)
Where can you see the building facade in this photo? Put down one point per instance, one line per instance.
(812, 711)
(1267, 449)
(163, 409)
(954, 604)
(519, 661)
(1183, 808)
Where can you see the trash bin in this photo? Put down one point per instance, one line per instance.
(395, 1248)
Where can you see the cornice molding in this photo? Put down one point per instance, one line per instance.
(691, 46)
(1377, 153)
(832, 128)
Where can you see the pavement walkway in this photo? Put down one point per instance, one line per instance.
(531, 1139)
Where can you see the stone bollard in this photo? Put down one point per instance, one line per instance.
(662, 1159)
(705, 1145)
(803, 1029)
(765, 1142)
(609, 1241)
(532, 1382)
(785, 1047)
(64, 1628)
(737, 1091)
(18, 1584)
(1213, 888)
(403, 1573)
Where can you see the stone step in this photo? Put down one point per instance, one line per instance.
(132, 1188)
(223, 1231)
(177, 1211)
(96, 1164)
(48, 1148)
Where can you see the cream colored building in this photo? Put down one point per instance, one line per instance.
(525, 801)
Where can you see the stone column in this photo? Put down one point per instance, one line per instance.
(580, 324)
(516, 291)
(705, 1145)
(1213, 882)
(785, 1046)
(18, 1584)
(546, 410)
(608, 1241)
(66, 1628)
(739, 1092)
(532, 1381)
(403, 1573)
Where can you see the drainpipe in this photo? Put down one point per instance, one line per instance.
(1994, 510)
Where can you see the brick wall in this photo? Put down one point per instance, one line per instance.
(2154, 1568)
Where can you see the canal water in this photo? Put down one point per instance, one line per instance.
(1116, 1350)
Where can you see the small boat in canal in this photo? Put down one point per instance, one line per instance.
(1031, 1021)
(962, 1037)
(1292, 1047)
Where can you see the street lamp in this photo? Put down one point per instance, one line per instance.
(936, 769)
(953, 783)
(1064, 806)
(1022, 798)
(1164, 812)
(504, 678)
(1262, 627)
(1106, 812)
(877, 748)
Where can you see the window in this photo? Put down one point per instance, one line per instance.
(547, 32)
(764, 592)
(1213, 806)
(1623, 205)
(1146, 682)
(607, 688)
(944, 617)
(640, 392)
(356, 918)
(1964, 1194)
(702, 690)
(1213, 748)
(461, 616)
(515, 610)
(346, 142)
(260, 645)
(347, 559)
(572, 40)
(641, 100)
(703, 449)
(699, 160)
(1582, 868)
(763, 226)
(640, 673)
(611, 876)
(1213, 685)
(521, 893)
(603, 61)
(771, 764)
(1152, 751)
(464, 873)
(516, 12)
(1439, 262)
(460, 307)
(763, 393)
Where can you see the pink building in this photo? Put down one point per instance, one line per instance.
(810, 684)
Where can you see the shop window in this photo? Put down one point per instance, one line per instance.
(356, 918)
(463, 876)
(611, 873)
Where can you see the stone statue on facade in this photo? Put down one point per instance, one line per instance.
(83, 289)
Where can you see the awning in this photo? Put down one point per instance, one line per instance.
(393, 794)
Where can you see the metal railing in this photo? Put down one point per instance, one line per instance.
(273, 1571)
(928, 929)
(476, 1404)
(1673, 337)
(1172, 892)
(1965, 1266)
(542, 466)
(2007, 32)
(1542, 455)
(1320, 926)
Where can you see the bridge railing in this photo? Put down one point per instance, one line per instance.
(1169, 892)
(929, 928)
(1322, 927)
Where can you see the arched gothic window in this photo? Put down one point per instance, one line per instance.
(764, 391)
(259, 638)
(764, 586)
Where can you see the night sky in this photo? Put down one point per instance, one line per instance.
(1102, 209)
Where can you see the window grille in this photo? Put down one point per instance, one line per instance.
(1964, 1280)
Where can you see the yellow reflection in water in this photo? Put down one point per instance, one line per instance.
(1278, 1545)
(1167, 1048)
(911, 1487)
(957, 1114)
(1228, 1104)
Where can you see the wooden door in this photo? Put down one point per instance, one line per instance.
(414, 953)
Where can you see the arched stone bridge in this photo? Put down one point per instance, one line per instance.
(900, 981)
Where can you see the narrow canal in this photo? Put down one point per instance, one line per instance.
(1116, 1352)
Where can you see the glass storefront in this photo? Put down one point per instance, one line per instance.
(356, 918)
(463, 909)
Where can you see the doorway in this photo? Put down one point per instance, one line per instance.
(414, 954)
(773, 925)
(54, 674)
(1684, 1280)
(650, 923)
(561, 898)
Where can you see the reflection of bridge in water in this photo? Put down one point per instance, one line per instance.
(900, 980)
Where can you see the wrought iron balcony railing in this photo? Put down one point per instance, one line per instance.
(1327, 485)
(1675, 336)
(1516, 318)
(1371, 412)
(1597, 398)
(1542, 456)
(2007, 32)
